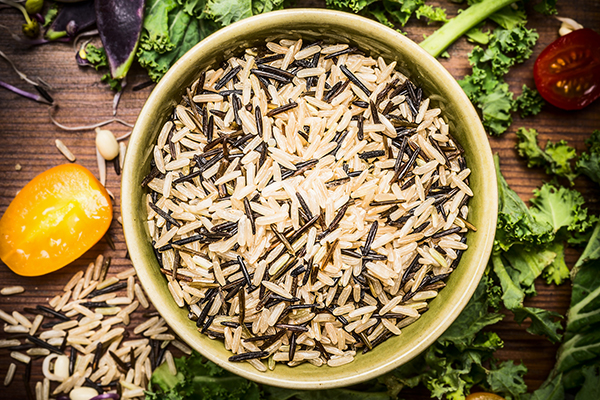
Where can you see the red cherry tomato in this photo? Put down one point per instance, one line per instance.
(567, 73)
(483, 396)
(53, 220)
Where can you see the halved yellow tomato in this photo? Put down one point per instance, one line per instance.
(53, 220)
(484, 396)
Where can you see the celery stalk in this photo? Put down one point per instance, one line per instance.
(462, 23)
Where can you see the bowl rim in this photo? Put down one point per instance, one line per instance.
(132, 238)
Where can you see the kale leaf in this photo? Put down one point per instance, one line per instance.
(459, 359)
(555, 158)
(543, 322)
(530, 243)
(226, 12)
(563, 209)
(547, 7)
(578, 357)
(515, 222)
(589, 162)
(182, 32)
(529, 102)
(486, 87)
(96, 56)
(388, 12)
(199, 379)
(433, 14)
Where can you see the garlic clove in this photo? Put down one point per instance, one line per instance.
(107, 144)
(568, 25)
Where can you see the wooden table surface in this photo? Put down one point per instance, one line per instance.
(27, 139)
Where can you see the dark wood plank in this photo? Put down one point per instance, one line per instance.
(27, 138)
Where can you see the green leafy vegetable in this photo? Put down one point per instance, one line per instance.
(200, 379)
(229, 11)
(556, 272)
(155, 35)
(589, 162)
(515, 222)
(578, 357)
(485, 87)
(434, 14)
(529, 243)
(183, 32)
(478, 36)
(530, 102)
(510, 17)
(591, 385)
(388, 12)
(547, 7)
(543, 322)
(96, 56)
(507, 378)
(562, 208)
(456, 363)
(50, 15)
(555, 158)
(204, 380)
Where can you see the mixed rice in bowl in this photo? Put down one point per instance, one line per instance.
(305, 202)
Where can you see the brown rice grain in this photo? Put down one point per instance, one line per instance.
(10, 374)
(10, 290)
(64, 150)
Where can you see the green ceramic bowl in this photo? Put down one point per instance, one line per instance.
(376, 40)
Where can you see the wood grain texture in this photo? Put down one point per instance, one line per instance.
(27, 138)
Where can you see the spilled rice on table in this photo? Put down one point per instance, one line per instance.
(80, 341)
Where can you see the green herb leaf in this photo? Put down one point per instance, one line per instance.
(527, 263)
(115, 84)
(228, 11)
(509, 17)
(512, 294)
(478, 36)
(388, 12)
